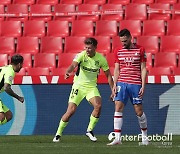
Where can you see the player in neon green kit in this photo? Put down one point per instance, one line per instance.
(7, 74)
(89, 63)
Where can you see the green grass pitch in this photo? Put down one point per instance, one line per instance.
(80, 144)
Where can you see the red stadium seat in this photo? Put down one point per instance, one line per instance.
(27, 45)
(11, 28)
(3, 59)
(7, 45)
(64, 8)
(40, 9)
(159, 7)
(65, 59)
(166, 1)
(173, 27)
(149, 61)
(76, 2)
(51, 45)
(82, 28)
(150, 43)
(110, 59)
(176, 71)
(88, 7)
(104, 45)
(45, 60)
(38, 71)
(50, 2)
(5, 2)
(1, 11)
(58, 28)
(160, 71)
(135, 12)
(176, 8)
(115, 42)
(74, 44)
(123, 2)
(170, 44)
(29, 2)
(133, 25)
(99, 2)
(106, 28)
(22, 72)
(143, 1)
(154, 27)
(58, 71)
(116, 17)
(34, 28)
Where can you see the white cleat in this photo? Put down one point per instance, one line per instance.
(56, 138)
(91, 136)
(145, 140)
(115, 142)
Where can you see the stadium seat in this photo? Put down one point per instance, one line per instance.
(65, 59)
(176, 8)
(173, 27)
(3, 59)
(58, 71)
(135, 11)
(133, 25)
(29, 2)
(11, 28)
(123, 2)
(34, 28)
(27, 45)
(104, 45)
(74, 44)
(149, 61)
(51, 45)
(82, 28)
(64, 8)
(150, 43)
(110, 59)
(160, 71)
(115, 42)
(99, 2)
(170, 44)
(50, 2)
(106, 28)
(21, 72)
(88, 7)
(176, 71)
(58, 28)
(5, 2)
(143, 1)
(38, 71)
(75, 2)
(159, 7)
(166, 1)
(1, 11)
(7, 45)
(17, 9)
(116, 17)
(45, 60)
(154, 27)
(40, 9)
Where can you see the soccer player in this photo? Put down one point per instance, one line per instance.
(129, 82)
(7, 74)
(89, 63)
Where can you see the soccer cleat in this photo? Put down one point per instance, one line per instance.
(145, 140)
(91, 136)
(56, 138)
(114, 142)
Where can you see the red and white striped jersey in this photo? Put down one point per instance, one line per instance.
(130, 63)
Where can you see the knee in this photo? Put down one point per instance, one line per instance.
(97, 106)
(9, 115)
(2, 117)
(139, 113)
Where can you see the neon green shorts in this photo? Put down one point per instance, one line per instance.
(3, 108)
(78, 93)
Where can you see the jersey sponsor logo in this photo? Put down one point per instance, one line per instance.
(128, 60)
(89, 69)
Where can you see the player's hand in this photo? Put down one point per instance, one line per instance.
(112, 97)
(21, 99)
(67, 75)
(141, 92)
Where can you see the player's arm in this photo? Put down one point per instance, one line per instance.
(8, 90)
(116, 75)
(109, 77)
(70, 69)
(143, 77)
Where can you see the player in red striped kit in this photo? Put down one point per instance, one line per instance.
(129, 82)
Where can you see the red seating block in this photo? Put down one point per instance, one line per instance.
(7, 45)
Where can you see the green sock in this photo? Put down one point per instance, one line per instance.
(92, 123)
(61, 127)
(3, 122)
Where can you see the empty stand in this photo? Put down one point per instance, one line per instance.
(11, 28)
(154, 27)
(82, 28)
(123, 2)
(27, 45)
(106, 28)
(143, 1)
(74, 44)
(76, 2)
(1, 11)
(173, 27)
(58, 28)
(160, 71)
(149, 61)
(110, 59)
(176, 8)
(115, 42)
(135, 11)
(34, 28)
(166, 1)
(58, 71)
(150, 43)
(38, 71)
(29, 2)
(99, 2)
(51, 45)
(22, 72)
(176, 71)
(65, 59)
(116, 17)
(50, 2)
(5, 1)
(3, 59)
(7, 45)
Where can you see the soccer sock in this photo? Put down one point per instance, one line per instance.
(61, 127)
(143, 124)
(92, 123)
(118, 121)
(3, 122)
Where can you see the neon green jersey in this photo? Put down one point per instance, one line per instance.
(6, 76)
(88, 68)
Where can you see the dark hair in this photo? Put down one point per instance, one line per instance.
(124, 32)
(91, 41)
(16, 59)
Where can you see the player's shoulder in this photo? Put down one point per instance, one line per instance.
(8, 69)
